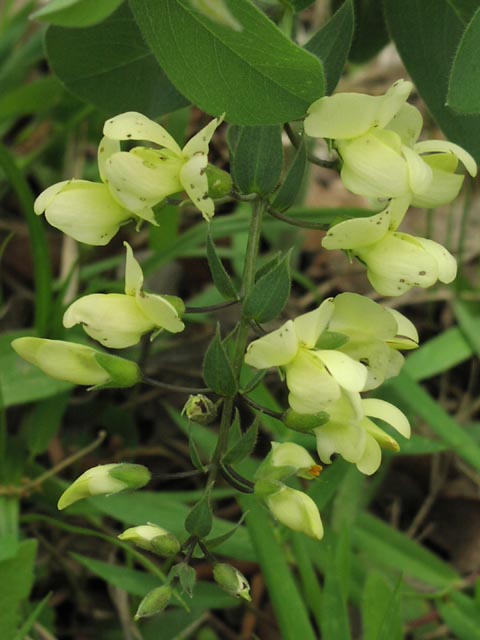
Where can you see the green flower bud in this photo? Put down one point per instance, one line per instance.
(231, 580)
(105, 479)
(154, 602)
(152, 538)
(200, 409)
(219, 182)
(77, 363)
(304, 421)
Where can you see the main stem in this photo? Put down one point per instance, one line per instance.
(251, 254)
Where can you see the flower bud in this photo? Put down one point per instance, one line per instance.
(105, 479)
(200, 409)
(296, 511)
(152, 538)
(154, 602)
(287, 459)
(77, 363)
(231, 580)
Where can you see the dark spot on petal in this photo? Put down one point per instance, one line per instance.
(422, 273)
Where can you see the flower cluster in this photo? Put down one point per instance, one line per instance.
(328, 356)
(132, 182)
(377, 140)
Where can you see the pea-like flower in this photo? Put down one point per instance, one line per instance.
(84, 210)
(314, 376)
(291, 507)
(144, 176)
(231, 580)
(373, 335)
(376, 138)
(152, 538)
(105, 479)
(395, 261)
(77, 363)
(119, 320)
(352, 434)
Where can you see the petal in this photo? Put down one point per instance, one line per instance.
(443, 146)
(290, 454)
(393, 101)
(444, 188)
(389, 413)
(160, 312)
(357, 232)
(359, 316)
(408, 123)
(85, 211)
(347, 439)
(46, 197)
(406, 335)
(397, 208)
(195, 182)
(138, 182)
(420, 174)
(106, 148)
(397, 263)
(297, 511)
(446, 263)
(113, 319)
(371, 458)
(311, 325)
(373, 165)
(349, 374)
(374, 355)
(135, 126)
(133, 272)
(200, 141)
(276, 349)
(311, 387)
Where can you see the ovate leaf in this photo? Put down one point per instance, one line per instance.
(255, 75)
(76, 13)
(221, 279)
(464, 87)
(217, 369)
(270, 293)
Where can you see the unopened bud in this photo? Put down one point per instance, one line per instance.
(231, 580)
(105, 479)
(200, 409)
(154, 602)
(152, 538)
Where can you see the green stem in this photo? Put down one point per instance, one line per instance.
(304, 224)
(296, 142)
(41, 259)
(241, 338)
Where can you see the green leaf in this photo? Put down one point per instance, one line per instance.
(270, 293)
(213, 543)
(199, 521)
(244, 446)
(76, 13)
(256, 76)
(36, 97)
(464, 9)
(23, 631)
(43, 422)
(292, 183)
(371, 33)
(186, 575)
(256, 158)
(427, 33)
(221, 279)
(103, 63)
(464, 86)
(381, 618)
(332, 43)
(335, 624)
(281, 584)
(468, 317)
(461, 614)
(15, 585)
(438, 355)
(217, 370)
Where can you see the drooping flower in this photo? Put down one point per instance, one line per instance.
(152, 538)
(352, 434)
(84, 210)
(77, 363)
(314, 376)
(376, 138)
(105, 479)
(374, 335)
(395, 261)
(291, 507)
(144, 176)
(231, 580)
(119, 320)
